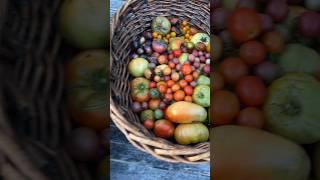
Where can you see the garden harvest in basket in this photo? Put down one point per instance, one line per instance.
(170, 86)
(266, 89)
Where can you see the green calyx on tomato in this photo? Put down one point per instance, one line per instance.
(86, 83)
(201, 95)
(140, 89)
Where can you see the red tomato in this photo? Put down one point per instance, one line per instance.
(148, 124)
(152, 84)
(233, 68)
(244, 24)
(168, 96)
(218, 81)
(177, 53)
(179, 95)
(253, 52)
(163, 128)
(273, 41)
(252, 117)
(170, 83)
(226, 106)
(251, 90)
(162, 88)
(175, 87)
(172, 65)
(189, 78)
(188, 90)
(186, 69)
(183, 83)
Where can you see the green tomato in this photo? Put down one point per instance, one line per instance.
(183, 57)
(146, 114)
(186, 134)
(161, 25)
(154, 93)
(292, 108)
(158, 114)
(201, 95)
(140, 89)
(201, 38)
(137, 67)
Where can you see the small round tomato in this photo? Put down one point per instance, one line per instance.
(274, 42)
(148, 124)
(183, 83)
(188, 90)
(233, 68)
(189, 78)
(152, 84)
(169, 90)
(154, 104)
(175, 87)
(170, 83)
(179, 95)
(252, 117)
(163, 128)
(186, 69)
(218, 81)
(195, 74)
(162, 88)
(177, 53)
(157, 78)
(251, 90)
(168, 96)
(253, 52)
(244, 24)
(172, 65)
(226, 106)
(167, 71)
(175, 77)
(162, 59)
(188, 98)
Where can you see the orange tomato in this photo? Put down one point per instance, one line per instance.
(175, 87)
(183, 83)
(179, 95)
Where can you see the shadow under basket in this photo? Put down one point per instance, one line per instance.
(132, 19)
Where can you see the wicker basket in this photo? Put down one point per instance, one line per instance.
(33, 117)
(128, 23)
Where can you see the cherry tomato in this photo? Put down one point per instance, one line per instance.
(244, 24)
(183, 83)
(253, 52)
(195, 75)
(179, 95)
(188, 90)
(233, 68)
(186, 69)
(170, 83)
(226, 106)
(154, 104)
(152, 84)
(251, 90)
(218, 81)
(168, 96)
(162, 88)
(189, 78)
(252, 117)
(177, 53)
(148, 124)
(162, 59)
(273, 41)
(175, 87)
(175, 77)
(167, 71)
(172, 65)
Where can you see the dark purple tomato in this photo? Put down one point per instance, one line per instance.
(267, 71)
(277, 9)
(83, 144)
(266, 22)
(219, 18)
(309, 24)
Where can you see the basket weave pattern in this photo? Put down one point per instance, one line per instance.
(128, 23)
(32, 133)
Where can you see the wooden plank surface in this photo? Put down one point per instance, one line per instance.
(128, 163)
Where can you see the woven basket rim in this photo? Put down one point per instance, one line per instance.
(166, 152)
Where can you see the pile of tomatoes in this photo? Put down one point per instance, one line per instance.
(249, 34)
(169, 65)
